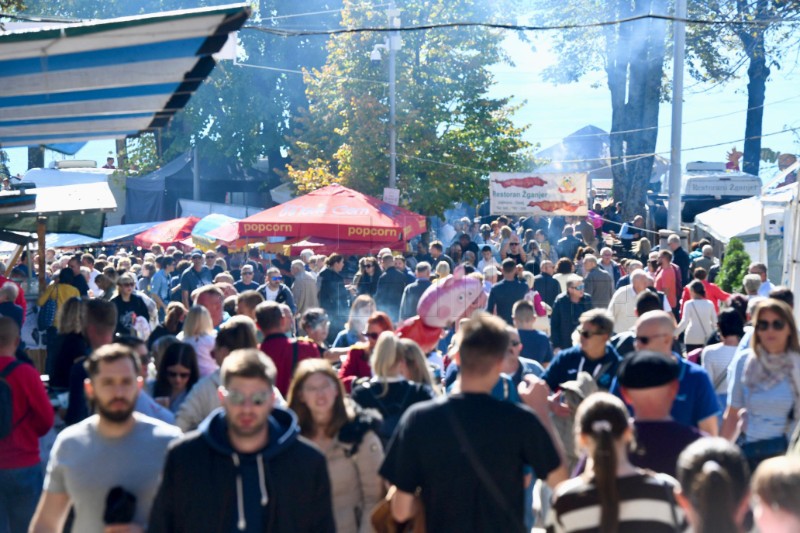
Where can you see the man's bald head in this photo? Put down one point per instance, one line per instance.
(655, 331)
(639, 280)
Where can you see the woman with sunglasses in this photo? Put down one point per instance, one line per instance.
(400, 379)
(366, 280)
(765, 381)
(346, 435)
(513, 249)
(356, 362)
(177, 374)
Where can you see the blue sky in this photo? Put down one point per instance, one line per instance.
(555, 111)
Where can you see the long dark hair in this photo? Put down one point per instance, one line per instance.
(603, 418)
(713, 474)
(178, 354)
(340, 415)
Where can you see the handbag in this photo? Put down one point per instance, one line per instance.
(383, 521)
(47, 312)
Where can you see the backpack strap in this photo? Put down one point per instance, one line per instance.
(9, 368)
(295, 349)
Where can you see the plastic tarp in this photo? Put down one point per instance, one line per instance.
(146, 194)
(68, 209)
(110, 234)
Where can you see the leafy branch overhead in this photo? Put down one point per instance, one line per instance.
(450, 133)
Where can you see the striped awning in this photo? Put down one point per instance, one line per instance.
(107, 79)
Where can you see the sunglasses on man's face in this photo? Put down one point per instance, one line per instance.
(276, 278)
(764, 325)
(644, 341)
(588, 334)
(237, 398)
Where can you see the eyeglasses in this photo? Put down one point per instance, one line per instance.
(513, 244)
(247, 273)
(589, 334)
(237, 398)
(181, 375)
(372, 335)
(369, 266)
(276, 278)
(644, 341)
(764, 325)
(126, 284)
(577, 287)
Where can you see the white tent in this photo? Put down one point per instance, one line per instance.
(767, 225)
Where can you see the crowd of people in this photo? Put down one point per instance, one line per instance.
(607, 384)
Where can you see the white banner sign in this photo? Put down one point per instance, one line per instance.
(531, 193)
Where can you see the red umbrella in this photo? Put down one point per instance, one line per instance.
(333, 212)
(167, 233)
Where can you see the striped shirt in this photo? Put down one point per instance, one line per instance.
(646, 503)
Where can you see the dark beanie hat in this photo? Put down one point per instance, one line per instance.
(647, 369)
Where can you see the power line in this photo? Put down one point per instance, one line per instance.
(290, 71)
(519, 27)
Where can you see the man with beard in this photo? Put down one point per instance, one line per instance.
(260, 474)
(114, 449)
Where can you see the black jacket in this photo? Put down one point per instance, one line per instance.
(547, 287)
(411, 296)
(333, 295)
(203, 489)
(284, 296)
(564, 319)
(390, 291)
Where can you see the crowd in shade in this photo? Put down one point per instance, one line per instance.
(590, 376)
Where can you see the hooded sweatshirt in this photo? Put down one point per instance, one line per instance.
(208, 486)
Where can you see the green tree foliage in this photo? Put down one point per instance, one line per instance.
(734, 266)
(632, 56)
(720, 52)
(450, 133)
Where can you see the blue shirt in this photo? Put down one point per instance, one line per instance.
(768, 410)
(535, 345)
(160, 286)
(568, 363)
(696, 399)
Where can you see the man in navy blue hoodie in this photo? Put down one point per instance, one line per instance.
(246, 468)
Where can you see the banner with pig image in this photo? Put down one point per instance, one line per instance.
(532, 193)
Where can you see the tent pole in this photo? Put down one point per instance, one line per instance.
(41, 230)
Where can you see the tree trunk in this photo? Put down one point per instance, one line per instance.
(35, 157)
(757, 73)
(634, 77)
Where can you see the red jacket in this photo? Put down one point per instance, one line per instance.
(713, 294)
(280, 349)
(20, 301)
(32, 416)
(355, 365)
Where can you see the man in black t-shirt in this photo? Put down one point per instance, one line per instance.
(472, 444)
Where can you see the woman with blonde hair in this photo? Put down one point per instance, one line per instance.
(362, 308)
(198, 331)
(346, 435)
(356, 363)
(442, 270)
(391, 390)
(641, 249)
(70, 342)
(766, 382)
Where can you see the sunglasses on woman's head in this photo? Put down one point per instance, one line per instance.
(764, 325)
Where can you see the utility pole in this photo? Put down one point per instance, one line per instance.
(394, 45)
(679, 31)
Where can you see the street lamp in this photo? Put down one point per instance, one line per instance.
(392, 45)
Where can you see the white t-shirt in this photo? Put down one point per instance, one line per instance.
(716, 358)
(270, 295)
(86, 465)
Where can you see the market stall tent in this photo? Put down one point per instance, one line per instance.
(334, 212)
(167, 233)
